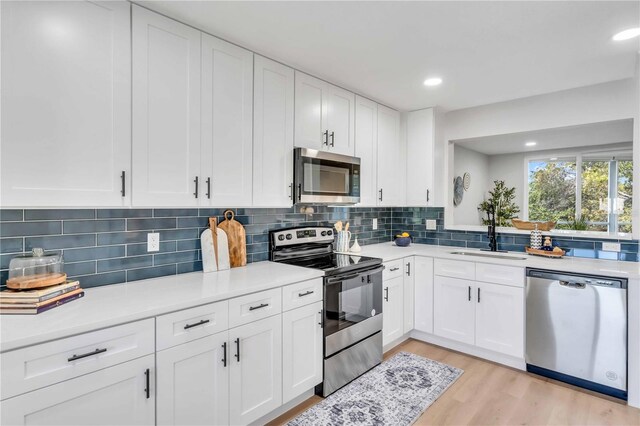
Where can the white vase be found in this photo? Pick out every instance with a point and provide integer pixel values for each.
(355, 248)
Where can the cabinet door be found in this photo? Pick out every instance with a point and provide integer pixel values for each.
(423, 278)
(420, 131)
(311, 113)
(301, 350)
(227, 123)
(500, 318)
(166, 111)
(392, 310)
(367, 149)
(193, 382)
(118, 395)
(408, 294)
(391, 164)
(454, 309)
(340, 120)
(272, 134)
(66, 103)
(256, 369)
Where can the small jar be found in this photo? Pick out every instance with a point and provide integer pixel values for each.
(536, 238)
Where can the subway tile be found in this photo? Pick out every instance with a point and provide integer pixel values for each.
(187, 267)
(155, 272)
(59, 214)
(193, 222)
(5, 259)
(111, 238)
(87, 226)
(93, 253)
(574, 244)
(151, 224)
(141, 249)
(183, 245)
(260, 257)
(452, 243)
(465, 236)
(80, 268)
(123, 213)
(96, 280)
(174, 212)
(177, 257)
(11, 215)
(11, 245)
(23, 229)
(119, 264)
(179, 234)
(61, 242)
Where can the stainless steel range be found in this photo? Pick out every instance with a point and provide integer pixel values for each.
(352, 314)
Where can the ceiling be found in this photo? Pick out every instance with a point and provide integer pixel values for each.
(595, 134)
(485, 51)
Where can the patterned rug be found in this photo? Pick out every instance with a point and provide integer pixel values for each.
(395, 392)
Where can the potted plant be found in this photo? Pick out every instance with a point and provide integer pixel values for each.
(502, 199)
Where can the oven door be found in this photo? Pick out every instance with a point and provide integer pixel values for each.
(352, 308)
(324, 177)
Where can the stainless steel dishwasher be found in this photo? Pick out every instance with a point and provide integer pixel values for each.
(577, 330)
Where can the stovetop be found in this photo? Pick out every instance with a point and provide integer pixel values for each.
(335, 263)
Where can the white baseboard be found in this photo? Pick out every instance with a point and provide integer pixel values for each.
(284, 408)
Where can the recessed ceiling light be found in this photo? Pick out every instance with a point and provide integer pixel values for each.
(434, 81)
(531, 143)
(627, 34)
(553, 158)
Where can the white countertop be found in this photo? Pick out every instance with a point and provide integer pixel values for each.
(121, 303)
(389, 251)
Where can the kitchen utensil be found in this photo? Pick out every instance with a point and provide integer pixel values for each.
(209, 247)
(237, 239)
(35, 270)
(346, 227)
(342, 243)
(223, 250)
(338, 226)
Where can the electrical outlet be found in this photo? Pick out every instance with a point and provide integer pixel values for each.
(611, 247)
(153, 241)
(432, 225)
(375, 224)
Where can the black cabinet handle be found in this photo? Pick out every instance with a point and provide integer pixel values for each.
(260, 306)
(291, 191)
(96, 352)
(195, 324)
(427, 195)
(321, 323)
(237, 355)
(332, 138)
(305, 293)
(148, 388)
(478, 294)
(409, 269)
(224, 354)
(469, 293)
(326, 138)
(196, 182)
(380, 198)
(393, 269)
(122, 180)
(209, 188)
(386, 294)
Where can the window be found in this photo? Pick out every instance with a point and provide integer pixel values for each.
(589, 191)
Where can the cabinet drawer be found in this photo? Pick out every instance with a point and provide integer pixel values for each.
(455, 269)
(498, 274)
(42, 365)
(252, 307)
(392, 269)
(301, 294)
(190, 324)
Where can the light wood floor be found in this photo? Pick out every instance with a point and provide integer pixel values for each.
(491, 394)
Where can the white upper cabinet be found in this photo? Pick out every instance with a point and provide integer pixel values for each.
(325, 116)
(166, 111)
(273, 87)
(420, 145)
(367, 149)
(66, 114)
(227, 123)
(391, 159)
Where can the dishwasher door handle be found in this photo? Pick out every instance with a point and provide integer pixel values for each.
(577, 286)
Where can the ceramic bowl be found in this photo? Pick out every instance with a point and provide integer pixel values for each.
(402, 241)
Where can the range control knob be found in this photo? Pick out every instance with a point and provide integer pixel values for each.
(289, 236)
(280, 237)
(323, 233)
(329, 232)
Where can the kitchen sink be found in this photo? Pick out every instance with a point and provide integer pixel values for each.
(492, 255)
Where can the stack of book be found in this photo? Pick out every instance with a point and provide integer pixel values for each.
(39, 300)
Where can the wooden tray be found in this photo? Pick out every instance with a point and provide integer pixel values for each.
(36, 281)
(544, 253)
(530, 226)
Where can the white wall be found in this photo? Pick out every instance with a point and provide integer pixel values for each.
(510, 169)
(477, 165)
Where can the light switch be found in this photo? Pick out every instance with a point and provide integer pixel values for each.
(374, 223)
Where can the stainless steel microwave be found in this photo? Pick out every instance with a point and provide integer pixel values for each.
(325, 178)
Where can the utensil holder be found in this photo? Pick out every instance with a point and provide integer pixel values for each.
(343, 240)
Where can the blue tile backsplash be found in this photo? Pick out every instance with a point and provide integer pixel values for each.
(108, 246)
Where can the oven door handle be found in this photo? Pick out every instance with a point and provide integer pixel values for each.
(341, 278)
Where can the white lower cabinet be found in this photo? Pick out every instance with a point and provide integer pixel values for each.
(301, 350)
(119, 395)
(409, 294)
(255, 382)
(193, 382)
(392, 310)
(454, 310)
(423, 294)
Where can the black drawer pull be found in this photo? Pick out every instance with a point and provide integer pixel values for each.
(96, 352)
(188, 326)
(305, 294)
(260, 306)
(237, 355)
(469, 293)
(224, 354)
(393, 269)
(147, 389)
(122, 179)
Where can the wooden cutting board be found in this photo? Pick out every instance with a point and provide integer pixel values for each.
(237, 238)
(36, 281)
